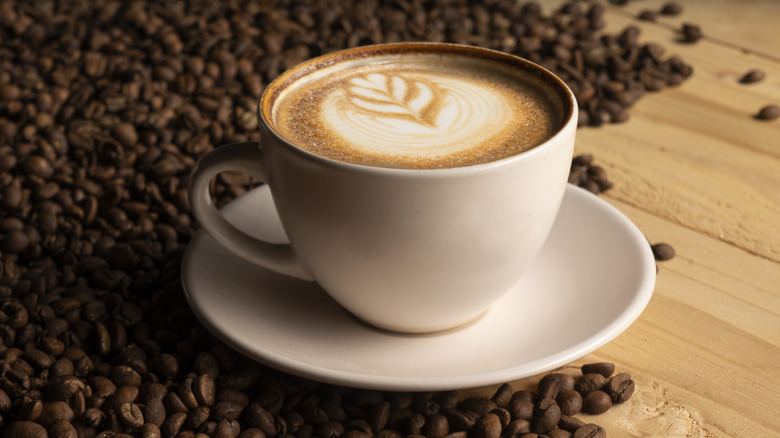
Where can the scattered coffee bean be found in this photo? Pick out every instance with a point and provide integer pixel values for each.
(671, 8)
(590, 382)
(752, 76)
(768, 112)
(596, 402)
(662, 252)
(488, 426)
(570, 402)
(590, 430)
(647, 15)
(604, 368)
(691, 33)
(620, 387)
(547, 414)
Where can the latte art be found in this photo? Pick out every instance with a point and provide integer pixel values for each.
(416, 113)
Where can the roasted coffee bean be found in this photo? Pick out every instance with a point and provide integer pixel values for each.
(435, 426)
(551, 384)
(546, 416)
(378, 415)
(752, 76)
(29, 409)
(524, 395)
(671, 8)
(647, 15)
(662, 252)
(604, 368)
(570, 402)
(503, 395)
(517, 428)
(768, 112)
(590, 430)
(460, 420)
(521, 409)
(570, 423)
(559, 433)
(620, 387)
(25, 429)
(481, 406)
(62, 429)
(691, 33)
(590, 382)
(55, 411)
(488, 426)
(596, 402)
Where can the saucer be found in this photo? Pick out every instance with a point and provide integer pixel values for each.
(593, 278)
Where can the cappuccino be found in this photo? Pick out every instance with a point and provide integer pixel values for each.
(416, 110)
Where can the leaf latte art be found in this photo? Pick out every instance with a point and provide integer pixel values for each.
(415, 115)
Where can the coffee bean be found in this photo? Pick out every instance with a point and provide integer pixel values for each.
(55, 411)
(570, 402)
(590, 430)
(559, 433)
(590, 382)
(459, 420)
(521, 409)
(517, 428)
(620, 388)
(14, 242)
(435, 426)
(691, 33)
(547, 414)
(752, 76)
(131, 415)
(647, 15)
(480, 406)
(488, 426)
(25, 429)
(604, 368)
(62, 429)
(551, 384)
(662, 252)
(205, 392)
(768, 112)
(227, 429)
(596, 402)
(671, 8)
(503, 395)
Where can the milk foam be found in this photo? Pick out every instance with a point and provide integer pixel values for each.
(415, 114)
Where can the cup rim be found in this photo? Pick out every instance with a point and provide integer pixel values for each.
(275, 87)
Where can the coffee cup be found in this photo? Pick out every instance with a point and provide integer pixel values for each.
(416, 182)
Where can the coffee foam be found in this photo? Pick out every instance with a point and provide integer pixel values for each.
(416, 113)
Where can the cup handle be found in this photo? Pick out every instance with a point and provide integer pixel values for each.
(248, 158)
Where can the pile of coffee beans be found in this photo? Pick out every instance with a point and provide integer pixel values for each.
(589, 176)
(105, 106)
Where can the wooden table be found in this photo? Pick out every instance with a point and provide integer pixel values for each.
(693, 168)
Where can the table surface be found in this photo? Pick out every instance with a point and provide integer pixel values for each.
(693, 168)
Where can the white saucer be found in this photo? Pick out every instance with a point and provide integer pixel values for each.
(593, 278)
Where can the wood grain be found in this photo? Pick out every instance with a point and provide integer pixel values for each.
(693, 168)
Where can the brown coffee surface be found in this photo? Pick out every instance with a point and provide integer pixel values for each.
(419, 111)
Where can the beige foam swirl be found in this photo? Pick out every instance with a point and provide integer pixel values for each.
(416, 114)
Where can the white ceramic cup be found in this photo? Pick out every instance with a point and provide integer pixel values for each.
(407, 250)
